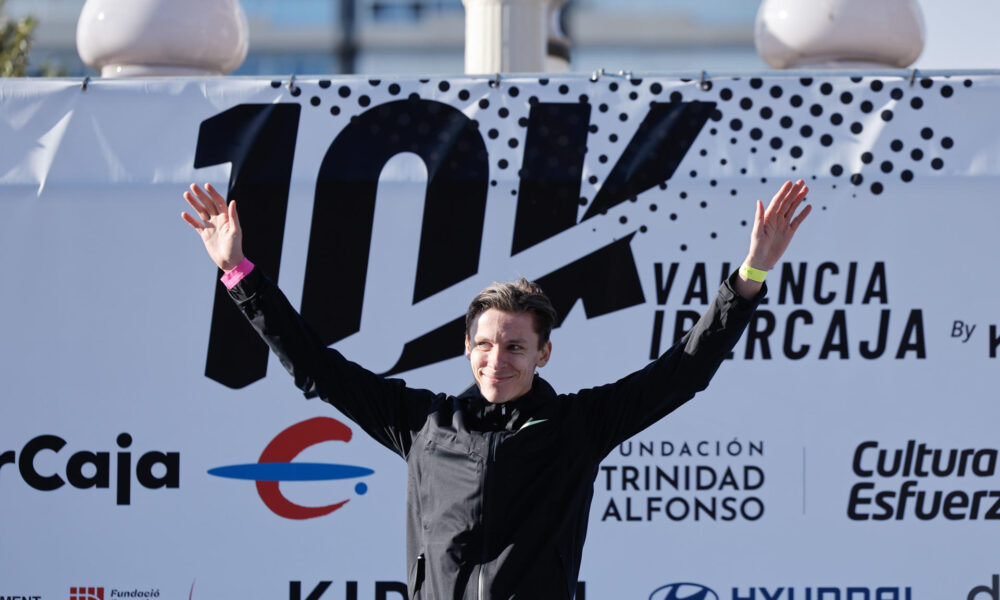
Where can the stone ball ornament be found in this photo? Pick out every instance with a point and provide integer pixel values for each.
(139, 38)
(839, 33)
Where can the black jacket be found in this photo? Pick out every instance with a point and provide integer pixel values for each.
(498, 495)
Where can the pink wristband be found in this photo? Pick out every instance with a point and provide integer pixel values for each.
(231, 278)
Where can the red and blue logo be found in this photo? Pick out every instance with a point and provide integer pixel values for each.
(275, 465)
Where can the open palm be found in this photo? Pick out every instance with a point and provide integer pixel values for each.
(774, 228)
(218, 226)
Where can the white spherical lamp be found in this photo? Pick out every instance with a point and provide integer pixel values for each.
(839, 33)
(134, 38)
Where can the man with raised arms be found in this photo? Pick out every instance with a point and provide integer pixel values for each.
(500, 477)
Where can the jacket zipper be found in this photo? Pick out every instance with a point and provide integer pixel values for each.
(482, 563)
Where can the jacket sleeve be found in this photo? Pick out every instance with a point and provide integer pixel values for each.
(384, 408)
(617, 411)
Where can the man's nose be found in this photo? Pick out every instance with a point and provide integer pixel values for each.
(496, 357)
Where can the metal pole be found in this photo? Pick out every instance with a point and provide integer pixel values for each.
(505, 36)
(347, 53)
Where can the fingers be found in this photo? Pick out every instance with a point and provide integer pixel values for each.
(788, 199)
(207, 200)
(220, 202)
(234, 217)
(791, 193)
(778, 199)
(197, 206)
(802, 217)
(758, 217)
(193, 222)
(796, 197)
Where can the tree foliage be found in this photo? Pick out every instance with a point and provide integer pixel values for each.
(15, 43)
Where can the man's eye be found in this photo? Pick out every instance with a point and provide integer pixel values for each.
(482, 345)
(515, 347)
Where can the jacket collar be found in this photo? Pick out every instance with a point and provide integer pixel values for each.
(510, 415)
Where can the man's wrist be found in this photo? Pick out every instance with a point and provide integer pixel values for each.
(752, 274)
(233, 276)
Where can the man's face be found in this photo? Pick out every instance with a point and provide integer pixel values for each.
(503, 350)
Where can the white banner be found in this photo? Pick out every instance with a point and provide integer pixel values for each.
(847, 451)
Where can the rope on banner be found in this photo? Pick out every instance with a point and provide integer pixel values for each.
(86, 80)
(291, 83)
(704, 80)
(913, 76)
(495, 81)
(597, 74)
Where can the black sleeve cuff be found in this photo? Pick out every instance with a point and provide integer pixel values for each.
(247, 287)
(728, 293)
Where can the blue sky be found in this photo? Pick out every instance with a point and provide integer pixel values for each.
(961, 34)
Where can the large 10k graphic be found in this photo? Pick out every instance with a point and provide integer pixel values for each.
(259, 140)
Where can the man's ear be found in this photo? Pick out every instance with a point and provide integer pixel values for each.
(545, 354)
(468, 348)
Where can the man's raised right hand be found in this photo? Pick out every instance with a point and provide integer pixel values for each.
(219, 226)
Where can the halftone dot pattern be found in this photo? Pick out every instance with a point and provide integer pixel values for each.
(861, 115)
(861, 136)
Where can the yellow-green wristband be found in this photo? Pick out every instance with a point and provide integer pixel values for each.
(752, 274)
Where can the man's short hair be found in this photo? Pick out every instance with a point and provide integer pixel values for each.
(521, 296)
